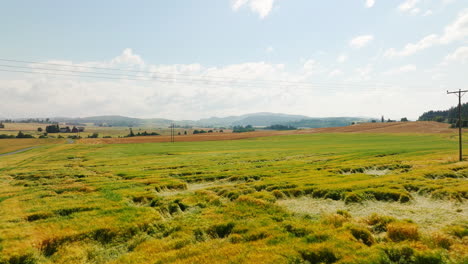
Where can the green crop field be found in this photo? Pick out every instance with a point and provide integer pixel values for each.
(317, 198)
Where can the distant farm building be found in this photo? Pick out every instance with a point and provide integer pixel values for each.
(77, 129)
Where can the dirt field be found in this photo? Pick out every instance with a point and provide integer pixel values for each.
(397, 127)
(198, 137)
(25, 127)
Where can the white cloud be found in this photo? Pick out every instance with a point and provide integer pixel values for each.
(335, 73)
(408, 6)
(184, 91)
(261, 7)
(342, 58)
(446, 2)
(458, 30)
(361, 41)
(402, 69)
(370, 3)
(192, 91)
(364, 73)
(310, 66)
(415, 11)
(459, 55)
(128, 57)
(428, 13)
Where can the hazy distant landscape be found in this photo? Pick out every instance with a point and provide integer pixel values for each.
(257, 119)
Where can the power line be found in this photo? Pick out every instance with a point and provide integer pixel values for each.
(460, 94)
(201, 80)
(169, 81)
(178, 74)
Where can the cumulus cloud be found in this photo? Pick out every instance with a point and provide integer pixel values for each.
(457, 30)
(459, 55)
(408, 6)
(342, 58)
(402, 69)
(335, 73)
(370, 3)
(364, 73)
(128, 57)
(361, 41)
(193, 91)
(183, 91)
(261, 7)
(428, 13)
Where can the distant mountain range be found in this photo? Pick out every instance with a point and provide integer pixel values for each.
(255, 119)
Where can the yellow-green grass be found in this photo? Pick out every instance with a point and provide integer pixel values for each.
(14, 144)
(226, 201)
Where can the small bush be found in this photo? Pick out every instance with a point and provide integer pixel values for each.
(104, 235)
(69, 211)
(252, 201)
(402, 231)
(317, 238)
(21, 259)
(38, 216)
(174, 208)
(457, 231)
(319, 255)
(333, 194)
(362, 235)
(199, 235)
(441, 240)
(257, 235)
(278, 194)
(235, 238)
(379, 223)
(352, 198)
(335, 220)
(398, 254)
(221, 230)
(344, 213)
(50, 246)
(428, 258)
(296, 231)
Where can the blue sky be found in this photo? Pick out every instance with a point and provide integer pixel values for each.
(327, 58)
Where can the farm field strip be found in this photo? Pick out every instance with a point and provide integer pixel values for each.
(10, 145)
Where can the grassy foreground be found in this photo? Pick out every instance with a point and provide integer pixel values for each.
(224, 201)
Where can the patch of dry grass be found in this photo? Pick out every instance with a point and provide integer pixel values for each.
(429, 214)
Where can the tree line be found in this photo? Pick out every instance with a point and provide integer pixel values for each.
(447, 116)
(19, 135)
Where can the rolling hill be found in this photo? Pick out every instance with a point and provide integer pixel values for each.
(256, 119)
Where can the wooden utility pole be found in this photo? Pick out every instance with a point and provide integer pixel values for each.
(460, 94)
(172, 133)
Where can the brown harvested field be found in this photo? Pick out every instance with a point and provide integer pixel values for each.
(198, 137)
(25, 127)
(396, 127)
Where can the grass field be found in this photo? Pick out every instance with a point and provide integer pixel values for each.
(114, 132)
(316, 198)
(9, 145)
